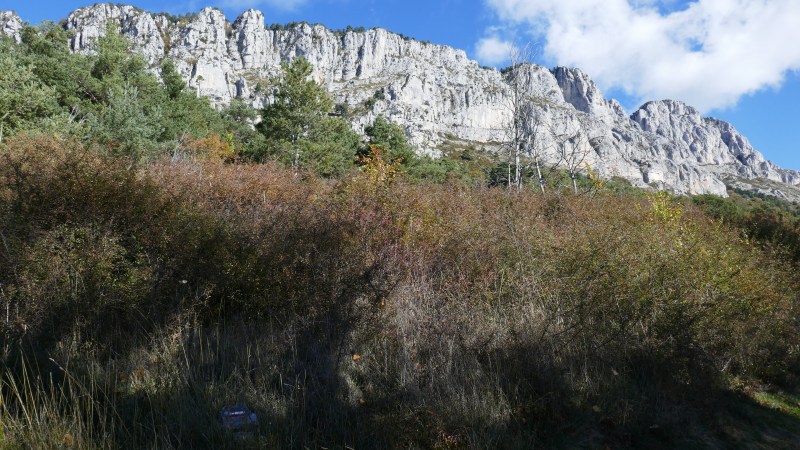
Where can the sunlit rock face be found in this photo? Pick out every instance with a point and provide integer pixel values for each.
(436, 93)
(11, 25)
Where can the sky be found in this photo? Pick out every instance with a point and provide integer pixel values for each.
(737, 60)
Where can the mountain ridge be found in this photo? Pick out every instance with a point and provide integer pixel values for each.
(436, 93)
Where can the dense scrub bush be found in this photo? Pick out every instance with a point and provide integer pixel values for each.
(369, 311)
(558, 304)
(773, 222)
(77, 232)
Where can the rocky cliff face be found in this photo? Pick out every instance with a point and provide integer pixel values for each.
(436, 93)
(10, 25)
(582, 93)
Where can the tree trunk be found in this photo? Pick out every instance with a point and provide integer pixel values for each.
(539, 174)
(508, 179)
(517, 174)
(3, 125)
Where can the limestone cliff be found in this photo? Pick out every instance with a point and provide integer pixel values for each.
(10, 25)
(436, 93)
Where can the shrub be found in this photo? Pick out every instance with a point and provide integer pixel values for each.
(369, 311)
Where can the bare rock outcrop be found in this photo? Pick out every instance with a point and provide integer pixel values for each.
(11, 25)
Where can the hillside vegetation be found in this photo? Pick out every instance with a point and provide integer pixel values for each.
(160, 259)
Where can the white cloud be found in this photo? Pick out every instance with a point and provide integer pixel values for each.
(286, 5)
(708, 53)
(493, 50)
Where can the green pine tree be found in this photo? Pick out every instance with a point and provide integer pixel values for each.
(24, 99)
(391, 138)
(298, 128)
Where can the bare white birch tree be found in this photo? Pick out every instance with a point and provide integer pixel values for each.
(515, 130)
(573, 148)
(535, 147)
(522, 133)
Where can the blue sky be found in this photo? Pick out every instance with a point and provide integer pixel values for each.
(737, 60)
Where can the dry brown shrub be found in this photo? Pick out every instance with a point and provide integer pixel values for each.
(213, 148)
(480, 317)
